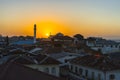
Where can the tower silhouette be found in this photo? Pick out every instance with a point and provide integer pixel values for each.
(34, 33)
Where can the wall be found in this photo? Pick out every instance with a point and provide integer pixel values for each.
(116, 73)
(43, 67)
(104, 75)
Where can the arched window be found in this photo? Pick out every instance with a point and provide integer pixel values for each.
(71, 67)
(86, 73)
(99, 76)
(93, 75)
(112, 77)
(53, 70)
(76, 70)
(80, 71)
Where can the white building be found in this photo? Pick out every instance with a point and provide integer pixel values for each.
(94, 68)
(105, 46)
(46, 64)
(39, 62)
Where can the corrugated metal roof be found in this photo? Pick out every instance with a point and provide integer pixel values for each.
(24, 42)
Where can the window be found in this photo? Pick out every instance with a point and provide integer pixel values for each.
(46, 70)
(112, 77)
(76, 70)
(80, 71)
(93, 75)
(99, 76)
(71, 67)
(86, 73)
(53, 70)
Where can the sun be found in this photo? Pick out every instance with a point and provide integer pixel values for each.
(47, 34)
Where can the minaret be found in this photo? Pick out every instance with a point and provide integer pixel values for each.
(7, 41)
(34, 33)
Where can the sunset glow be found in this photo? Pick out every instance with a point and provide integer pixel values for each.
(88, 17)
(47, 34)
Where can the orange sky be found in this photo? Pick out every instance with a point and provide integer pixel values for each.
(90, 18)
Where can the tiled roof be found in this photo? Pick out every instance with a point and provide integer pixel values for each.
(53, 50)
(96, 62)
(17, 51)
(12, 71)
(88, 50)
(50, 60)
(24, 60)
(36, 59)
(46, 60)
(63, 37)
(21, 59)
(39, 57)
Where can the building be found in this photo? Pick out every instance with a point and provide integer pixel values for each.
(105, 46)
(59, 40)
(46, 64)
(13, 71)
(3, 41)
(39, 62)
(94, 68)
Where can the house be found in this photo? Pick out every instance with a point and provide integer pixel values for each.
(61, 54)
(94, 67)
(3, 41)
(105, 46)
(46, 64)
(40, 62)
(14, 71)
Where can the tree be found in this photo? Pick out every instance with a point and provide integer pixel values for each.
(79, 36)
(59, 34)
(21, 37)
(29, 37)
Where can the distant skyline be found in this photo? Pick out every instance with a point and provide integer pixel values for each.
(100, 18)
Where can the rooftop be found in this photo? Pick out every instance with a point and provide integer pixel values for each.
(13, 71)
(24, 42)
(97, 62)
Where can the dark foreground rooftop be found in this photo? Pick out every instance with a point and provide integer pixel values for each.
(13, 71)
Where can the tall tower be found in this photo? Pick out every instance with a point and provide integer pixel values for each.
(34, 33)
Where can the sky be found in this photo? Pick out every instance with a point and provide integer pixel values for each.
(99, 18)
